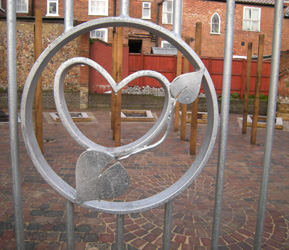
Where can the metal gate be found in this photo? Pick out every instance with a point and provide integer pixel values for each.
(183, 89)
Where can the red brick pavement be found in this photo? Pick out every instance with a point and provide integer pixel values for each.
(150, 172)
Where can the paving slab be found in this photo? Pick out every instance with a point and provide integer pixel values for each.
(150, 172)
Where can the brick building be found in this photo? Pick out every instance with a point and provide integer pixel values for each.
(252, 17)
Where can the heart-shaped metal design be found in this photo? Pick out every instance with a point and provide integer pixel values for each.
(92, 183)
(184, 88)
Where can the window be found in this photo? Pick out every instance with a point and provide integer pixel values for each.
(168, 12)
(22, 6)
(251, 19)
(146, 10)
(167, 45)
(52, 7)
(215, 24)
(100, 34)
(98, 7)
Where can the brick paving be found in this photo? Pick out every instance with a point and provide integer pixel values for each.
(150, 172)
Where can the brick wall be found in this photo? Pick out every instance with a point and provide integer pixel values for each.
(25, 55)
(193, 11)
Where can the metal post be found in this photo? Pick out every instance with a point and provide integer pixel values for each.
(124, 8)
(276, 48)
(119, 231)
(167, 225)
(70, 225)
(13, 121)
(177, 23)
(177, 30)
(68, 15)
(68, 24)
(224, 121)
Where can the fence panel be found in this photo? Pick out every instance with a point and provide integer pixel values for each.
(167, 66)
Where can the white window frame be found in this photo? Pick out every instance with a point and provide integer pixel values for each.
(167, 12)
(22, 11)
(167, 45)
(98, 13)
(144, 7)
(48, 7)
(219, 26)
(251, 20)
(105, 30)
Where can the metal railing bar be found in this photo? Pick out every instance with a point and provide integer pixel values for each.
(167, 225)
(68, 15)
(271, 112)
(68, 24)
(177, 16)
(119, 231)
(13, 121)
(70, 225)
(225, 106)
(124, 8)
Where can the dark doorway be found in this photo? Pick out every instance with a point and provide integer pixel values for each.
(134, 46)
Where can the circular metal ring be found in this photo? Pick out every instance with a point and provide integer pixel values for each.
(64, 188)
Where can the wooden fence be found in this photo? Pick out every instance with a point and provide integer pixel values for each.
(167, 66)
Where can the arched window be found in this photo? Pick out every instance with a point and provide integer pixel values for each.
(215, 24)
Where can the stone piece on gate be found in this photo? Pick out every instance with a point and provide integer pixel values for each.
(94, 181)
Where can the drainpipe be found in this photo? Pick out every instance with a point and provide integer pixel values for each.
(157, 19)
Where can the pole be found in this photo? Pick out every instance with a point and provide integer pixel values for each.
(224, 122)
(70, 225)
(257, 88)
(195, 104)
(184, 106)
(113, 98)
(117, 108)
(68, 24)
(177, 29)
(120, 231)
(68, 15)
(38, 91)
(13, 121)
(273, 90)
(177, 108)
(167, 225)
(247, 87)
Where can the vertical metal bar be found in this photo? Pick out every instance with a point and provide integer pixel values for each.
(167, 225)
(271, 112)
(13, 121)
(224, 121)
(68, 15)
(70, 225)
(177, 30)
(119, 231)
(124, 8)
(68, 24)
(177, 15)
